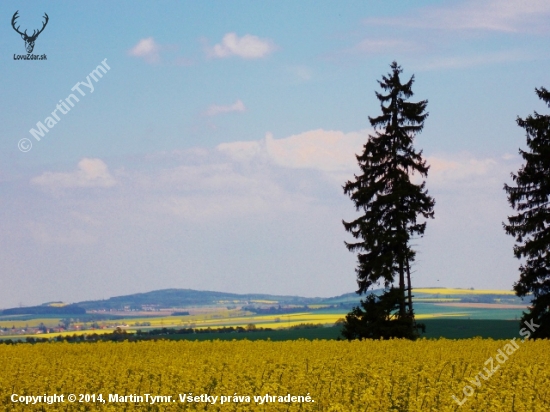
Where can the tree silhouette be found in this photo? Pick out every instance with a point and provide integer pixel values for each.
(531, 226)
(390, 203)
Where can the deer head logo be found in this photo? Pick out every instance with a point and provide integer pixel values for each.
(29, 40)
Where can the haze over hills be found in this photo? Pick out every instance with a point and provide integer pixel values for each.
(184, 298)
(180, 298)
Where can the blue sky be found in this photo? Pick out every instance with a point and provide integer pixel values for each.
(212, 153)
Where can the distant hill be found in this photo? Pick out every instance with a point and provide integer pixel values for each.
(45, 310)
(180, 298)
(184, 298)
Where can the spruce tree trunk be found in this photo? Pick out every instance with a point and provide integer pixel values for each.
(409, 289)
(402, 310)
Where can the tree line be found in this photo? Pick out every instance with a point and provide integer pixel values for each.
(120, 335)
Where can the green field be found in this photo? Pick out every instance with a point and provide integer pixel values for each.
(470, 328)
(449, 328)
(435, 328)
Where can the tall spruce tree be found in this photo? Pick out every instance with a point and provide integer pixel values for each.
(391, 205)
(531, 226)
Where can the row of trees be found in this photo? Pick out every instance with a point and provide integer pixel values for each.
(395, 211)
(120, 335)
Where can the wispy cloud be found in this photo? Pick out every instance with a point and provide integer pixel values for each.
(303, 73)
(436, 37)
(90, 173)
(246, 47)
(461, 62)
(488, 15)
(146, 49)
(376, 46)
(215, 109)
(183, 61)
(64, 234)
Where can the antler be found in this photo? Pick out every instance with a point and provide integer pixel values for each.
(34, 33)
(43, 26)
(15, 16)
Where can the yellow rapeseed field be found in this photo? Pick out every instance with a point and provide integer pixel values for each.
(395, 375)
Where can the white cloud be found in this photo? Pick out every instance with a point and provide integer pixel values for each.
(147, 49)
(215, 109)
(242, 151)
(333, 153)
(247, 47)
(449, 170)
(90, 173)
(489, 15)
(326, 150)
(206, 189)
(460, 168)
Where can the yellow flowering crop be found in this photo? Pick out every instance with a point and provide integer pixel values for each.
(395, 375)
